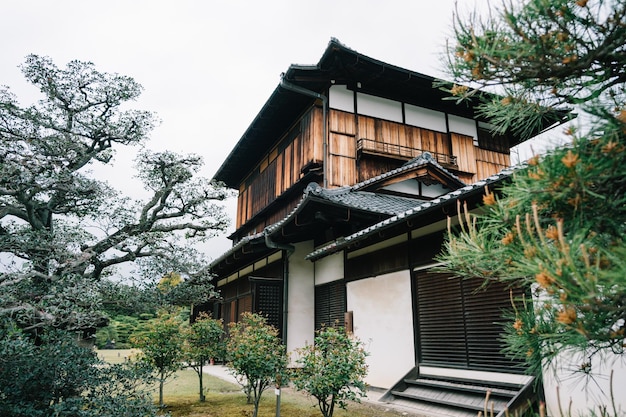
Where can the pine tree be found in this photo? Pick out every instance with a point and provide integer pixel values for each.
(559, 226)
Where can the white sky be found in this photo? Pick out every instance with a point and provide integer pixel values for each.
(207, 67)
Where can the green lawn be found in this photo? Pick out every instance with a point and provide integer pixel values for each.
(116, 355)
(224, 399)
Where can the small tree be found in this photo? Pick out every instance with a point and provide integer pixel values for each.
(161, 347)
(332, 370)
(256, 356)
(203, 341)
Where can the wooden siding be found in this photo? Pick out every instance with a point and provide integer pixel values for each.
(403, 135)
(237, 298)
(342, 122)
(385, 145)
(389, 144)
(312, 149)
(415, 252)
(384, 261)
(490, 162)
(272, 217)
(256, 296)
(371, 167)
(476, 163)
(282, 166)
(464, 149)
(341, 149)
(342, 162)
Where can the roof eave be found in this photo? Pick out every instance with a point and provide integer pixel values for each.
(412, 214)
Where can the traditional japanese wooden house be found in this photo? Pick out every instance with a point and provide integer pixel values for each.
(347, 177)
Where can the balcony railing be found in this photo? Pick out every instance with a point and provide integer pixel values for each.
(389, 149)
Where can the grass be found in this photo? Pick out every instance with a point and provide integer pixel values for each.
(227, 400)
(116, 355)
(224, 399)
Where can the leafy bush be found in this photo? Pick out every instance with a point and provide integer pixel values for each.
(332, 369)
(54, 376)
(257, 357)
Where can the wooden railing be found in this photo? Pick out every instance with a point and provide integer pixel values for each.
(389, 149)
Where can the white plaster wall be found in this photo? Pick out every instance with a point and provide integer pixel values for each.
(560, 381)
(383, 321)
(413, 187)
(340, 98)
(301, 302)
(329, 269)
(426, 118)
(406, 187)
(379, 107)
(434, 190)
(463, 126)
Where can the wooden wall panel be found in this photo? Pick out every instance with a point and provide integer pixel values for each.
(244, 305)
(279, 174)
(270, 172)
(306, 135)
(413, 137)
(342, 145)
(389, 132)
(384, 261)
(489, 163)
(342, 168)
(297, 158)
(366, 128)
(407, 137)
(442, 143)
(342, 122)
(282, 167)
(242, 201)
(463, 148)
(492, 157)
(369, 168)
(429, 142)
(249, 203)
(466, 178)
(312, 143)
(287, 168)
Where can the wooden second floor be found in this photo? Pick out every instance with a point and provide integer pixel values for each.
(348, 119)
(358, 147)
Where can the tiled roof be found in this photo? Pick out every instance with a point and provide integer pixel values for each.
(345, 196)
(352, 197)
(364, 200)
(411, 213)
(237, 246)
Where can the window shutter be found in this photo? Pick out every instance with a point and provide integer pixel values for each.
(330, 304)
(460, 324)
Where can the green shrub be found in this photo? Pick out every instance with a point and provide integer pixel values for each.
(332, 370)
(257, 357)
(54, 376)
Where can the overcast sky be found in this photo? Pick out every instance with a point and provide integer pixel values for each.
(207, 67)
